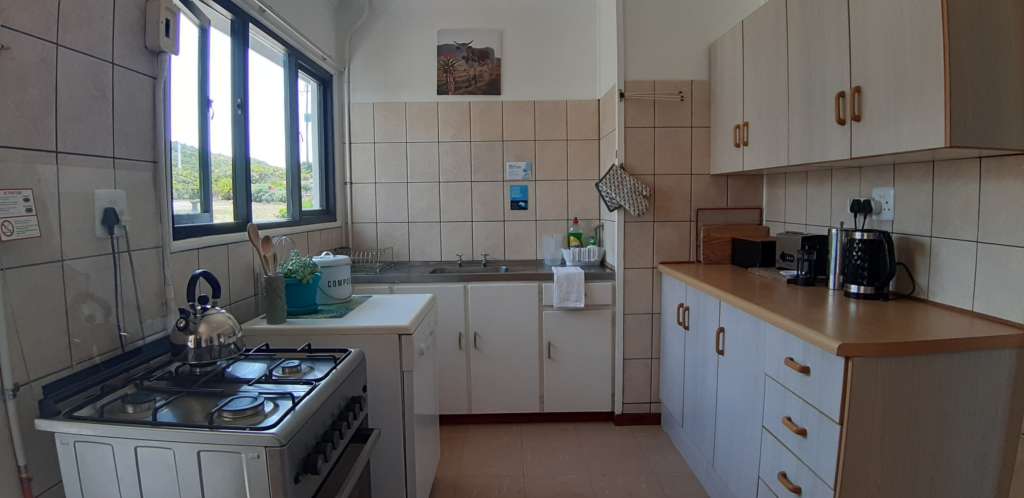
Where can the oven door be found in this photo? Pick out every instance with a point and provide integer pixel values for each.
(350, 476)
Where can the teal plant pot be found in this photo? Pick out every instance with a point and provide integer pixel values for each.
(301, 298)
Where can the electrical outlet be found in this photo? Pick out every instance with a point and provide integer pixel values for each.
(882, 200)
(116, 199)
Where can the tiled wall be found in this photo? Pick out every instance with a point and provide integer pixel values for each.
(428, 177)
(76, 115)
(667, 145)
(959, 225)
(609, 131)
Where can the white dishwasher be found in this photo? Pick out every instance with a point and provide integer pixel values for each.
(420, 378)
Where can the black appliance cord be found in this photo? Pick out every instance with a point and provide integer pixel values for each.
(913, 282)
(117, 293)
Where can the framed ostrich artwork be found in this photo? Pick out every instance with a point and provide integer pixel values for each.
(469, 62)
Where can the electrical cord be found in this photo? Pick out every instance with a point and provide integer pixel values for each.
(913, 282)
(117, 293)
(135, 282)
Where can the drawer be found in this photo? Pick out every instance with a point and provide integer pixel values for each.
(596, 294)
(763, 491)
(810, 435)
(811, 373)
(779, 465)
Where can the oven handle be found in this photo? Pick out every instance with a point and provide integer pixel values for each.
(355, 469)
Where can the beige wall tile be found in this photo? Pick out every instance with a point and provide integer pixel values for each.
(392, 202)
(956, 199)
(819, 197)
(517, 120)
(362, 123)
(639, 113)
(796, 197)
(42, 328)
(484, 121)
(915, 252)
(952, 272)
(456, 202)
(396, 236)
(608, 109)
(583, 159)
(364, 235)
(27, 78)
(85, 119)
(421, 118)
(775, 197)
(456, 238)
(913, 199)
(636, 381)
(707, 192)
(520, 215)
(637, 290)
(609, 147)
(423, 162)
(137, 178)
(182, 265)
(425, 241)
(1002, 202)
(36, 17)
(639, 150)
(845, 185)
(521, 240)
(672, 150)
(582, 119)
(583, 199)
(672, 198)
(552, 200)
(673, 113)
(638, 245)
(546, 228)
(390, 162)
(637, 336)
(489, 237)
(701, 103)
(215, 259)
(363, 170)
(551, 121)
(453, 121)
(872, 177)
(746, 190)
(552, 160)
(487, 161)
(80, 177)
(488, 201)
(672, 242)
(700, 151)
(454, 161)
(389, 122)
(134, 115)
(999, 286)
(518, 151)
(241, 261)
(424, 202)
(91, 313)
(129, 31)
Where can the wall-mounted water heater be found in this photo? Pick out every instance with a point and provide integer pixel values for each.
(162, 29)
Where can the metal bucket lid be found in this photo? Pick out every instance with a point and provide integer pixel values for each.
(328, 259)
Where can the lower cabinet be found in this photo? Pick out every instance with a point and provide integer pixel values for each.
(577, 372)
(700, 373)
(504, 325)
(674, 315)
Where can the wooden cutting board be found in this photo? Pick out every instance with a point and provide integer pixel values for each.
(716, 241)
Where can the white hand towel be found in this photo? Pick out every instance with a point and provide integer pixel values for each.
(568, 287)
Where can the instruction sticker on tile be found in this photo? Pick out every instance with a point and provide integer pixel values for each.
(518, 170)
(18, 218)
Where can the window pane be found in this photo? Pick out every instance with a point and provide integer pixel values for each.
(221, 152)
(267, 128)
(310, 147)
(185, 122)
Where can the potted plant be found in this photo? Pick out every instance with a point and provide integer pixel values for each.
(301, 280)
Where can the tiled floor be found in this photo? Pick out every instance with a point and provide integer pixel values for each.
(587, 460)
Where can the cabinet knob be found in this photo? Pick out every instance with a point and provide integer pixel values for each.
(746, 133)
(841, 108)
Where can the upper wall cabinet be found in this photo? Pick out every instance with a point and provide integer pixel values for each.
(727, 102)
(879, 81)
(765, 129)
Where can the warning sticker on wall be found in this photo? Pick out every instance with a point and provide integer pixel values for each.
(18, 219)
(21, 227)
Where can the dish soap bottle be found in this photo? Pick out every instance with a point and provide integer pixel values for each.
(575, 233)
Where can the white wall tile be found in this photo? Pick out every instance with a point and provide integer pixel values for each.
(956, 199)
(673, 113)
(1002, 183)
(999, 286)
(672, 151)
(550, 120)
(421, 121)
(38, 17)
(364, 236)
(552, 200)
(951, 280)
(671, 241)
(456, 202)
(637, 290)
(583, 199)
(517, 120)
(488, 201)
(424, 202)
(85, 119)
(362, 164)
(582, 119)
(487, 161)
(241, 262)
(215, 260)
(362, 123)
(638, 245)
(456, 238)
(86, 25)
(915, 252)
(521, 240)
(796, 197)
(775, 197)
(134, 115)
(80, 176)
(36, 310)
(707, 191)
(913, 199)
(89, 291)
(673, 202)
(488, 237)
(453, 121)
(389, 122)
(182, 265)
(637, 336)
(425, 241)
(423, 162)
(364, 203)
(636, 381)
(455, 162)
(27, 74)
(484, 121)
(819, 197)
(639, 150)
(392, 202)
(552, 160)
(136, 179)
(150, 291)
(584, 160)
(845, 185)
(130, 35)
(746, 190)
(391, 162)
(395, 236)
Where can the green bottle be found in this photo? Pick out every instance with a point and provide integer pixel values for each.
(575, 233)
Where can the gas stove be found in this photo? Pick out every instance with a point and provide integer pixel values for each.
(267, 423)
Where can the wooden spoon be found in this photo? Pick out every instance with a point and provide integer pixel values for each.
(267, 252)
(254, 239)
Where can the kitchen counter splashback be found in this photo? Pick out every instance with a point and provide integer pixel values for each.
(472, 271)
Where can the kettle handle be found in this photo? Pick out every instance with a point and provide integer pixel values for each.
(193, 282)
(890, 255)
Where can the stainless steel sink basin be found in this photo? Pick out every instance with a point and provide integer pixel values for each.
(469, 269)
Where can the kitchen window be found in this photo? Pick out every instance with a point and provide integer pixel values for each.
(250, 127)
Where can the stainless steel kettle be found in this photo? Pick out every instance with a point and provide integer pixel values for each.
(205, 333)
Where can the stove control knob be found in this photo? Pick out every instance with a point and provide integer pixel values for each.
(332, 438)
(357, 404)
(314, 464)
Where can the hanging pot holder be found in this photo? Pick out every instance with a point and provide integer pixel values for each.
(618, 188)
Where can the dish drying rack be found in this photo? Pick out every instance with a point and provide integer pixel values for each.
(369, 261)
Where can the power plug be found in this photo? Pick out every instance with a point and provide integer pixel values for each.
(110, 198)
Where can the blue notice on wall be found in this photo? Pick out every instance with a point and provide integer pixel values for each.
(519, 197)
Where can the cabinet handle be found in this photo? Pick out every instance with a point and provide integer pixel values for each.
(686, 317)
(855, 114)
(786, 483)
(797, 367)
(720, 341)
(795, 429)
(460, 341)
(476, 340)
(736, 136)
(682, 314)
(746, 133)
(841, 108)
(549, 350)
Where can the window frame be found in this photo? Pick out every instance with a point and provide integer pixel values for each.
(191, 226)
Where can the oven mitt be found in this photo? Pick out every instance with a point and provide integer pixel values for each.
(620, 189)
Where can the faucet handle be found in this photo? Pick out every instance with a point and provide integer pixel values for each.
(484, 255)
(458, 256)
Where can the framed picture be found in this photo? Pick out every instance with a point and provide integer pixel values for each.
(469, 62)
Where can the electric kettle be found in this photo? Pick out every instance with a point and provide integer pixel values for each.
(205, 333)
(869, 263)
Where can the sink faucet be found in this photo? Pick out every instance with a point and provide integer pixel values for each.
(483, 260)
(458, 256)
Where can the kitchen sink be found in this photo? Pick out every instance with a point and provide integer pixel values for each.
(469, 269)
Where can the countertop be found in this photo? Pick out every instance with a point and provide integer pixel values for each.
(472, 271)
(849, 327)
(381, 314)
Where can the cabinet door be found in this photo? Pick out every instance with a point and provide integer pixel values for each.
(819, 69)
(452, 350)
(673, 341)
(740, 401)
(578, 361)
(700, 373)
(727, 101)
(765, 92)
(896, 58)
(504, 324)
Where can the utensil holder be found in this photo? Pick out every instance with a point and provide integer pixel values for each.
(275, 303)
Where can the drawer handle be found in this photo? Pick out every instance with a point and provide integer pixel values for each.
(795, 429)
(720, 341)
(746, 133)
(786, 483)
(549, 350)
(797, 367)
(736, 136)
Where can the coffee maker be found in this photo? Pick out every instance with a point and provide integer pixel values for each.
(868, 263)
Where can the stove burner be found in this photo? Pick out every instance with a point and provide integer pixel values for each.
(243, 405)
(291, 368)
(198, 370)
(138, 402)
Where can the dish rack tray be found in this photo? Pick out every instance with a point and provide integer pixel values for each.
(369, 261)
(583, 256)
